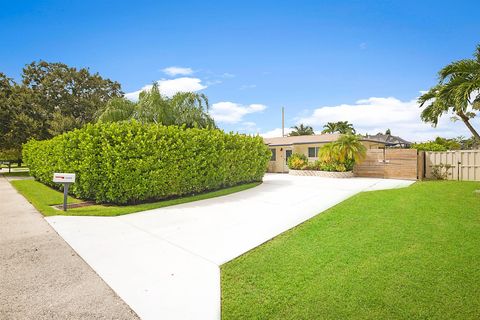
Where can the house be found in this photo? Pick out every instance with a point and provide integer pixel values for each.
(389, 140)
(283, 147)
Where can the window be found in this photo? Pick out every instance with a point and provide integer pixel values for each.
(313, 152)
(274, 155)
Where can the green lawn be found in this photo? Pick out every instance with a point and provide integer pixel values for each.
(410, 253)
(43, 197)
(16, 174)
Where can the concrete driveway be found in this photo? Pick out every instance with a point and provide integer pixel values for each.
(164, 263)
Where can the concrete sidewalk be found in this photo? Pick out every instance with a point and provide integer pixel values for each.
(165, 262)
(41, 277)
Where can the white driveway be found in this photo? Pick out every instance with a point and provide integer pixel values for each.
(164, 263)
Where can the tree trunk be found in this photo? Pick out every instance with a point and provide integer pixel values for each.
(466, 120)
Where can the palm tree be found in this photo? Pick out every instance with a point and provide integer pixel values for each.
(457, 91)
(187, 109)
(347, 150)
(330, 127)
(328, 153)
(302, 130)
(439, 101)
(349, 147)
(342, 127)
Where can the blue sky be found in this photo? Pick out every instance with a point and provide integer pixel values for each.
(363, 61)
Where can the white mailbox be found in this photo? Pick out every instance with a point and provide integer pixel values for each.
(67, 179)
(64, 177)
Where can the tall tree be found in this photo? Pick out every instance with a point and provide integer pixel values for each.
(330, 127)
(187, 109)
(342, 127)
(302, 130)
(52, 98)
(457, 92)
(68, 92)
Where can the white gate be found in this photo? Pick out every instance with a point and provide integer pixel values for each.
(465, 164)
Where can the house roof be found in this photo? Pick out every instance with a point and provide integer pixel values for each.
(388, 139)
(317, 138)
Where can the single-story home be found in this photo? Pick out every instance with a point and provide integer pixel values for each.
(283, 147)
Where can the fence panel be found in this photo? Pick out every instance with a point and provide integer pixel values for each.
(389, 163)
(401, 164)
(372, 166)
(469, 161)
(465, 164)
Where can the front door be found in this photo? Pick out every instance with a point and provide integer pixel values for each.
(288, 154)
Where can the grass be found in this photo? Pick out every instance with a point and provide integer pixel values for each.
(16, 174)
(411, 253)
(43, 197)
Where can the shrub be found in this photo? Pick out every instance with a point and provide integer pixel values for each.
(428, 146)
(129, 162)
(297, 161)
(440, 171)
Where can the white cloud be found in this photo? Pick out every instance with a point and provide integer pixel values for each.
(277, 132)
(230, 112)
(374, 115)
(170, 87)
(175, 71)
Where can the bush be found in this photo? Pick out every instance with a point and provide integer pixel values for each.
(440, 171)
(428, 146)
(129, 162)
(297, 161)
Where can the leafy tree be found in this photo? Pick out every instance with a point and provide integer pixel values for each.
(117, 109)
(187, 109)
(450, 144)
(388, 132)
(19, 118)
(61, 90)
(342, 127)
(52, 98)
(457, 92)
(442, 144)
(302, 130)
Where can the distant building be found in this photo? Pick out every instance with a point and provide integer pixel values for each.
(283, 147)
(389, 140)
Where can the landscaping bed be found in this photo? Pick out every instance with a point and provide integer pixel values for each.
(318, 173)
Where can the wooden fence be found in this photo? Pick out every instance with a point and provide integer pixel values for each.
(464, 164)
(390, 164)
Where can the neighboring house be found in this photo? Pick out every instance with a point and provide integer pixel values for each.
(389, 140)
(283, 147)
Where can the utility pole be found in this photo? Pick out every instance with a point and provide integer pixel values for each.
(283, 122)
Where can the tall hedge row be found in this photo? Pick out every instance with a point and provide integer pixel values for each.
(131, 162)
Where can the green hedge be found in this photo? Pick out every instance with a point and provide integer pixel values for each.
(131, 162)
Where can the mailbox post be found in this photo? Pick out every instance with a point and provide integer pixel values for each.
(66, 179)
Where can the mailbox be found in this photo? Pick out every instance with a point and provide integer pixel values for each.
(64, 177)
(67, 179)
